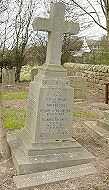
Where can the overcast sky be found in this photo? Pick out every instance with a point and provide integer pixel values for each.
(94, 31)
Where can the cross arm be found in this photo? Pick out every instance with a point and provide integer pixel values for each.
(71, 27)
(42, 24)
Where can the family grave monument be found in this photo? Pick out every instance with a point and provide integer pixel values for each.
(44, 151)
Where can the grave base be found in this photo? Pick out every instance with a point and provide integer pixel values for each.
(36, 179)
(26, 164)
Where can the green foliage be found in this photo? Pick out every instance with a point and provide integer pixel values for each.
(25, 74)
(20, 95)
(7, 59)
(13, 118)
(100, 55)
(70, 46)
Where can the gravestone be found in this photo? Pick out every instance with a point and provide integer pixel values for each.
(11, 76)
(8, 76)
(77, 81)
(46, 142)
(5, 76)
(80, 88)
(4, 147)
(34, 72)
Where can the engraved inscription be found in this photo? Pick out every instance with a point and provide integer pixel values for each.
(55, 113)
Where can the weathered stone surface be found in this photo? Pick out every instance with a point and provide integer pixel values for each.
(106, 114)
(98, 130)
(8, 76)
(34, 72)
(47, 133)
(101, 126)
(56, 26)
(100, 106)
(104, 124)
(80, 87)
(24, 163)
(49, 108)
(94, 74)
(5, 153)
(36, 179)
(46, 141)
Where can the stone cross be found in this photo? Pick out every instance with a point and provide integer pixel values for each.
(56, 26)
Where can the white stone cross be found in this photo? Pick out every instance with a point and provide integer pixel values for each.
(56, 26)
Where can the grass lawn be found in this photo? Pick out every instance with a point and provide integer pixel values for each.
(20, 95)
(13, 118)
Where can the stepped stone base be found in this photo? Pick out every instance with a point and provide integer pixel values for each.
(97, 128)
(100, 106)
(106, 114)
(74, 154)
(103, 124)
(36, 179)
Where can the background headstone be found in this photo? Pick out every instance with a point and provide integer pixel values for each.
(8, 76)
(5, 76)
(5, 152)
(11, 76)
(34, 72)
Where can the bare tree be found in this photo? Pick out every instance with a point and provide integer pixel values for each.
(22, 32)
(93, 11)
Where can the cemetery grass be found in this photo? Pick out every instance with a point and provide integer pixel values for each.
(13, 118)
(20, 95)
(13, 107)
(14, 112)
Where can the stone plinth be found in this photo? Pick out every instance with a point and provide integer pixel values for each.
(49, 116)
(46, 141)
(36, 179)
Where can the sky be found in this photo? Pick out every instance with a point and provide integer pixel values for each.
(93, 32)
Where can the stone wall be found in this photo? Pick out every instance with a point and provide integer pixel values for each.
(96, 76)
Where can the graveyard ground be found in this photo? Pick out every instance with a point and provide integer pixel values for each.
(13, 116)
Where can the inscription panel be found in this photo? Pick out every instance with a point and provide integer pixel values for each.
(55, 112)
